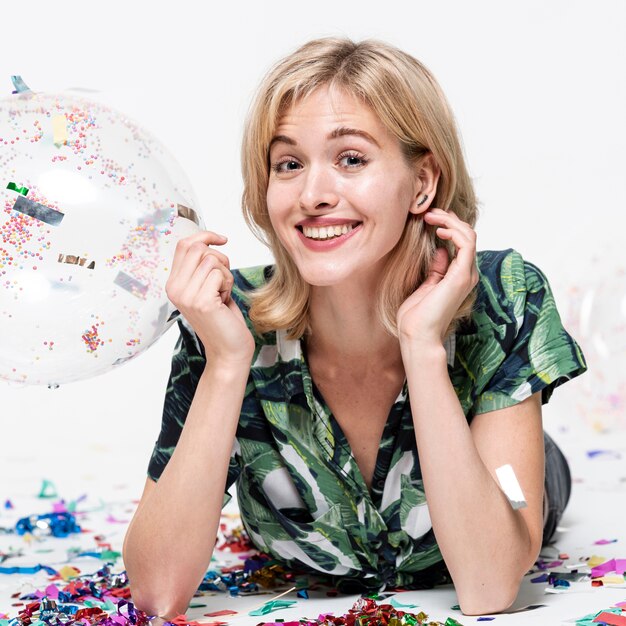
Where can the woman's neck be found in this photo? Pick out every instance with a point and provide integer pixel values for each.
(346, 330)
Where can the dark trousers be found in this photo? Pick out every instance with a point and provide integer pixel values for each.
(558, 487)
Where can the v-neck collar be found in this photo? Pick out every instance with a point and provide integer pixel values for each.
(328, 433)
(338, 450)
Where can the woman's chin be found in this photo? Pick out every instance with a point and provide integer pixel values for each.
(325, 275)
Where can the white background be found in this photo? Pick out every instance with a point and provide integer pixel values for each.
(538, 89)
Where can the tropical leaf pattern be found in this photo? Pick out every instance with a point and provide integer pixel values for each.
(301, 495)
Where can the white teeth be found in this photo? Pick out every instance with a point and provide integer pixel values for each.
(326, 232)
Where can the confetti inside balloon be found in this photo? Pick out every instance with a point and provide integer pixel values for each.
(91, 209)
(596, 315)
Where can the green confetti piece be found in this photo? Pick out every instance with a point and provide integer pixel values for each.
(197, 606)
(104, 605)
(48, 490)
(110, 555)
(273, 605)
(456, 607)
(400, 605)
(452, 622)
(14, 187)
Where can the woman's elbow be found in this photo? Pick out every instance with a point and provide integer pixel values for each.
(167, 604)
(495, 600)
(154, 597)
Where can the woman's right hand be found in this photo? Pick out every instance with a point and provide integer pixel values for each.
(199, 286)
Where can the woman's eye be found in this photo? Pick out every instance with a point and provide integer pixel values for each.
(353, 159)
(279, 169)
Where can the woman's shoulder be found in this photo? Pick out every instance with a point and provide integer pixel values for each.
(505, 281)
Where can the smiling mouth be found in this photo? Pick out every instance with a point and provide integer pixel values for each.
(326, 232)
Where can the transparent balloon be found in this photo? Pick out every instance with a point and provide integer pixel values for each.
(91, 209)
(596, 316)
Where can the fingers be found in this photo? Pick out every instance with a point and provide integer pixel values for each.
(193, 263)
(205, 237)
(462, 235)
(210, 277)
(448, 220)
(438, 267)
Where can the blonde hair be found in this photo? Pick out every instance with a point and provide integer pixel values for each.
(409, 102)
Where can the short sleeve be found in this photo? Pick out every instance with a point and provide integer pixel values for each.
(537, 353)
(188, 363)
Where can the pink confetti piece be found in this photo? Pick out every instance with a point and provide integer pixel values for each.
(59, 507)
(603, 568)
(52, 591)
(612, 565)
(114, 520)
(603, 542)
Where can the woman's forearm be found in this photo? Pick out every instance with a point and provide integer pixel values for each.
(472, 519)
(171, 538)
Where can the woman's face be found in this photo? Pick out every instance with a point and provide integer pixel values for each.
(336, 168)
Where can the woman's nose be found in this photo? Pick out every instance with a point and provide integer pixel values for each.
(318, 188)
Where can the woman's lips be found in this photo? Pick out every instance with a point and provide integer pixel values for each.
(327, 244)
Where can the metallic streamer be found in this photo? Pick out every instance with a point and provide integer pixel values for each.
(187, 213)
(38, 211)
(131, 285)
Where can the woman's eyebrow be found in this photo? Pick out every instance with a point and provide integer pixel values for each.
(341, 131)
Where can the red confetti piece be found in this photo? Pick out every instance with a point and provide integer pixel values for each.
(220, 613)
(611, 619)
(181, 620)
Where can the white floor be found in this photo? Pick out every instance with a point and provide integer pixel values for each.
(103, 453)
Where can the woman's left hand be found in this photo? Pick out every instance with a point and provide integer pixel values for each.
(425, 315)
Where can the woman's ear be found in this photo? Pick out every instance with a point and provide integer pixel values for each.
(427, 178)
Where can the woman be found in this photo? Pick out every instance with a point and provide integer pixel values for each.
(379, 331)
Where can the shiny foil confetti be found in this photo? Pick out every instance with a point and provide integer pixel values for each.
(187, 213)
(38, 211)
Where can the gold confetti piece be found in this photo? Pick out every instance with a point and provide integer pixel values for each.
(595, 560)
(67, 572)
(76, 260)
(611, 580)
(59, 130)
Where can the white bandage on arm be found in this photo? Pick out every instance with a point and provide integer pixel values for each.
(510, 486)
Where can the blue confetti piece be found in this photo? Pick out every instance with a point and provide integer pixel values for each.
(540, 579)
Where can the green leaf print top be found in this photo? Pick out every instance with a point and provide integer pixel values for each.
(302, 497)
